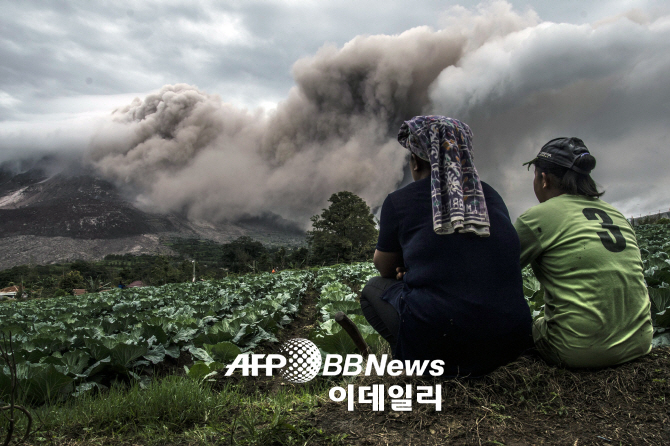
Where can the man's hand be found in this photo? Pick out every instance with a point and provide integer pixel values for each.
(401, 270)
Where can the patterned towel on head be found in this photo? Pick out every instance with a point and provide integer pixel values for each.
(456, 191)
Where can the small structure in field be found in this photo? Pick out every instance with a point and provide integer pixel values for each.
(10, 292)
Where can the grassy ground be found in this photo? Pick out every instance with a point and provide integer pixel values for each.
(523, 403)
(526, 402)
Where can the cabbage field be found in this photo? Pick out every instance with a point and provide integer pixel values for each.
(72, 345)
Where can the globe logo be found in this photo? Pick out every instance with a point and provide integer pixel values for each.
(303, 360)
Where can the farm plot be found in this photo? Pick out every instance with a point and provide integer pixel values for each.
(654, 242)
(336, 294)
(71, 345)
(74, 344)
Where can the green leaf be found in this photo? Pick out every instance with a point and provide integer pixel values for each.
(348, 307)
(200, 354)
(661, 340)
(538, 297)
(76, 361)
(156, 354)
(652, 281)
(12, 330)
(260, 336)
(213, 337)
(97, 349)
(33, 356)
(327, 328)
(56, 361)
(660, 308)
(661, 264)
(87, 387)
(335, 343)
(244, 332)
(46, 384)
(111, 326)
(528, 292)
(143, 381)
(123, 354)
(97, 367)
(223, 352)
(184, 334)
(173, 351)
(662, 276)
(156, 331)
(200, 370)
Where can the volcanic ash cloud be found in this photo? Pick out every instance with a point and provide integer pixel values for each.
(183, 149)
(517, 81)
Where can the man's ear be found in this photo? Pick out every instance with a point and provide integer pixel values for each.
(546, 181)
(413, 163)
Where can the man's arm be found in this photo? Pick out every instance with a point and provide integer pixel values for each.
(387, 262)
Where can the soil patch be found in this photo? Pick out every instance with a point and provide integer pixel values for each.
(304, 322)
(526, 402)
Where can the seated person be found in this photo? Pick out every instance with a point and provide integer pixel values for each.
(585, 254)
(450, 285)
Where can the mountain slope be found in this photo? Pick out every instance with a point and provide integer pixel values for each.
(75, 214)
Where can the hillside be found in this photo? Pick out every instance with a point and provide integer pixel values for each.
(52, 214)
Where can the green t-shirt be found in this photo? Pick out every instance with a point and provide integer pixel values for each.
(585, 254)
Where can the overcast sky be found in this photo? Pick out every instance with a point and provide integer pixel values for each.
(310, 93)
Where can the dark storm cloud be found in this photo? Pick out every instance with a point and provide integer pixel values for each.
(49, 49)
(604, 84)
(241, 50)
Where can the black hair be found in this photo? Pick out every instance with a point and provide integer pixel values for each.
(569, 181)
(422, 163)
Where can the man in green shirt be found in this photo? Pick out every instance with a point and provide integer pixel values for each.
(585, 254)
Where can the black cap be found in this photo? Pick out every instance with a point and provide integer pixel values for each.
(564, 152)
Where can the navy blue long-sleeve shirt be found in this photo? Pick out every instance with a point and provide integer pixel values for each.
(462, 298)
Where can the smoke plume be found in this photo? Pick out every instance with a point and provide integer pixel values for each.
(517, 81)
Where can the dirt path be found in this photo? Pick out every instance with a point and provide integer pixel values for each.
(300, 327)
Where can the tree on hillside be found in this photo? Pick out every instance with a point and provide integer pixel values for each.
(88, 268)
(298, 258)
(245, 255)
(162, 272)
(345, 232)
(72, 280)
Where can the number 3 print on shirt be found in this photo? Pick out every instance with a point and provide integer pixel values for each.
(619, 243)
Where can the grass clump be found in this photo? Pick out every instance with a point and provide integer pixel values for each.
(180, 410)
(166, 407)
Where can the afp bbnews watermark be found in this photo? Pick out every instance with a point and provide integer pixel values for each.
(300, 361)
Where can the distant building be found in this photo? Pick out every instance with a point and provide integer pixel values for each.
(11, 291)
(136, 284)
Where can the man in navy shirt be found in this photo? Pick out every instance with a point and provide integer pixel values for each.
(450, 285)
